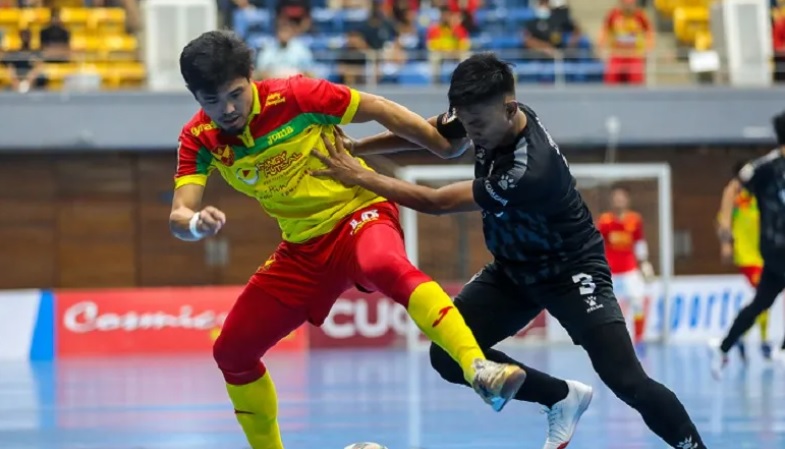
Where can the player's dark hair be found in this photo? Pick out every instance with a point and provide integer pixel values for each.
(779, 127)
(214, 59)
(621, 187)
(479, 78)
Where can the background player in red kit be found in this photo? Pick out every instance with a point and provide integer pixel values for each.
(627, 253)
(260, 136)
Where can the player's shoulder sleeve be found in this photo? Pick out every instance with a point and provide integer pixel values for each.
(330, 103)
(449, 126)
(504, 187)
(194, 161)
(637, 225)
(752, 172)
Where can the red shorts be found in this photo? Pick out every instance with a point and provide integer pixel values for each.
(752, 273)
(301, 281)
(625, 70)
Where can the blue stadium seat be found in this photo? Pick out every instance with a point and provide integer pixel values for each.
(527, 71)
(415, 74)
(326, 21)
(445, 72)
(506, 42)
(592, 71)
(326, 42)
(247, 21)
(517, 16)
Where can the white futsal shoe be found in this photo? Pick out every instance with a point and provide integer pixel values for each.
(563, 417)
(719, 359)
(497, 383)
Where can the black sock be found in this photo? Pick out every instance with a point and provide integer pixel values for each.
(613, 357)
(539, 387)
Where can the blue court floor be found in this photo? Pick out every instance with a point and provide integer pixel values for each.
(332, 398)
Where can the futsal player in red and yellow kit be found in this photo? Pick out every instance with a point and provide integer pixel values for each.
(744, 252)
(627, 253)
(258, 136)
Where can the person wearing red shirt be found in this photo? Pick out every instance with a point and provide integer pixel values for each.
(627, 253)
(627, 35)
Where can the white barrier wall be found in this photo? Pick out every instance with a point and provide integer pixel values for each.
(701, 307)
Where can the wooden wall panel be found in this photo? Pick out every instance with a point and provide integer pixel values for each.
(96, 220)
(101, 219)
(27, 222)
(163, 259)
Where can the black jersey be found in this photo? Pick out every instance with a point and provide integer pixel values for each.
(534, 219)
(765, 179)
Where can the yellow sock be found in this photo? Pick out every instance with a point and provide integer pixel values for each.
(256, 408)
(434, 313)
(763, 322)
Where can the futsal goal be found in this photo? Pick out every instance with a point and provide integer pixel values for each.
(450, 248)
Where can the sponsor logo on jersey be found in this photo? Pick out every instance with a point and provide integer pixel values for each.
(224, 154)
(274, 99)
(203, 127)
(280, 135)
(278, 163)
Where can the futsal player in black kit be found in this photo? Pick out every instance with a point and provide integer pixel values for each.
(765, 179)
(547, 252)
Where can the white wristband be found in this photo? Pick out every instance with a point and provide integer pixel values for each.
(196, 233)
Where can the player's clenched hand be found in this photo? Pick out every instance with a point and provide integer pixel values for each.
(340, 165)
(211, 220)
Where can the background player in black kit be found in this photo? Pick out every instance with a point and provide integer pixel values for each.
(765, 179)
(547, 252)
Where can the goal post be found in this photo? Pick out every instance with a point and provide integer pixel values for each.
(592, 180)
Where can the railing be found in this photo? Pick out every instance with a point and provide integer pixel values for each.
(562, 68)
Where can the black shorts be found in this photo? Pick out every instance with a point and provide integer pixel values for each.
(496, 307)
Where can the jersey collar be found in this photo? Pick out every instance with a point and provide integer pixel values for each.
(246, 136)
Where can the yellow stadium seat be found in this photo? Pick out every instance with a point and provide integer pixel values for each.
(692, 3)
(119, 43)
(11, 42)
(9, 20)
(107, 21)
(5, 76)
(703, 40)
(75, 19)
(665, 7)
(688, 22)
(85, 43)
(125, 74)
(34, 18)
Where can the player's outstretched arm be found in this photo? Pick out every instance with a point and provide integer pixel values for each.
(386, 142)
(340, 165)
(408, 131)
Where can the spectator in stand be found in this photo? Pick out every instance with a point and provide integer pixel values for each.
(297, 12)
(133, 15)
(466, 9)
(627, 36)
(227, 8)
(544, 35)
(446, 39)
(55, 40)
(25, 66)
(349, 4)
(778, 41)
(286, 56)
(377, 35)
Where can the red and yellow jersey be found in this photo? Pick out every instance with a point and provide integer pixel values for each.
(627, 32)
(746, 231)
(620, 235)
(271, 159)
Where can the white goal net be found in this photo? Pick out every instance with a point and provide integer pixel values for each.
(450, 248)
